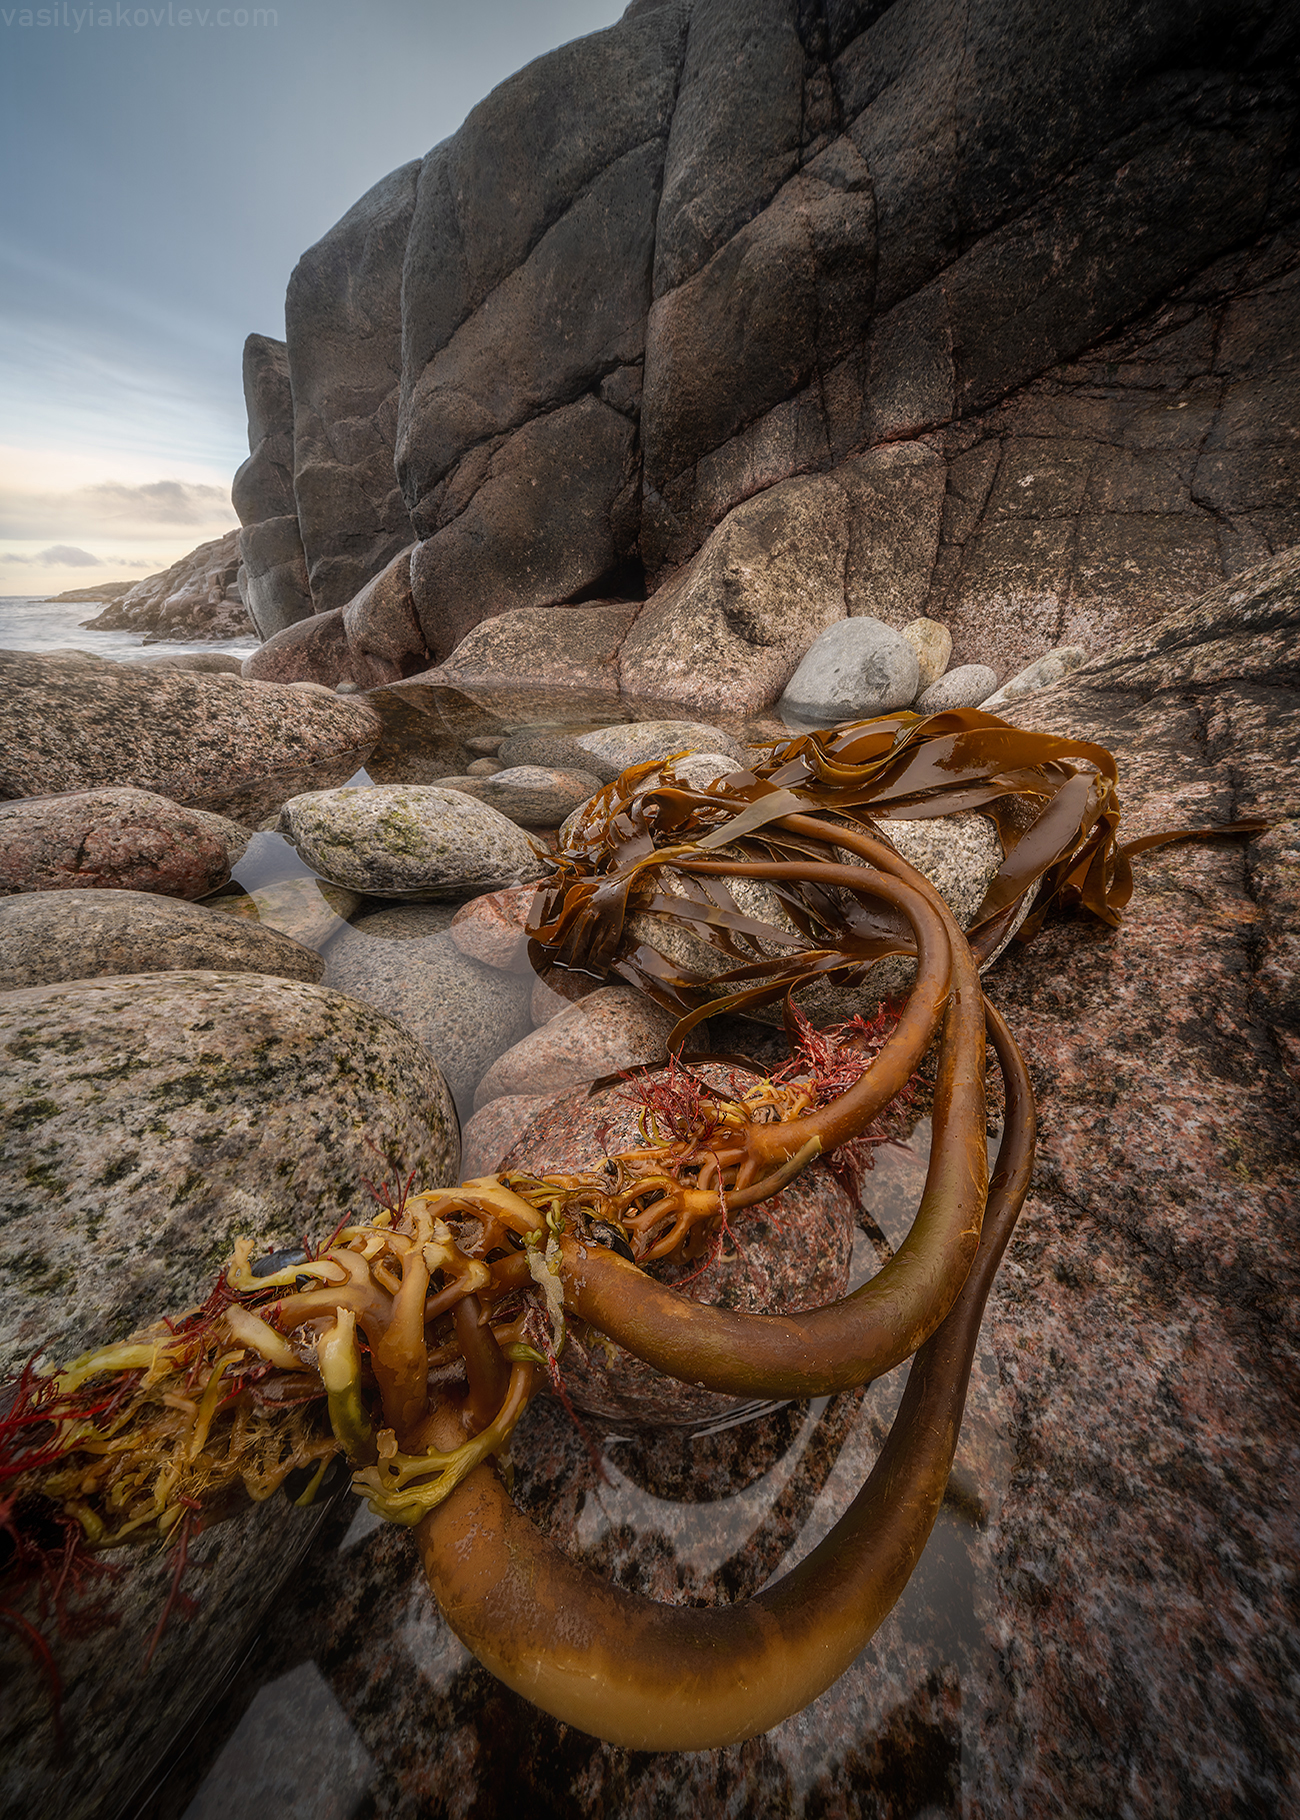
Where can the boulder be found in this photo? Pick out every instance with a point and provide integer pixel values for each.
(560, 750)
(791, 1252)
(535, 796)
(486, 1138)
(383, 633)
(933, 646)
(214, 1105)
(1041, 674)
(613, 1028)
(491, 928)
(852, 671)
(131, 840)
(968, 686)
(273, 575)
(637, 742)
(462, 1012)
(207, 741)
(407, 841)
(575, 649)
(312, 650)
(48, 936)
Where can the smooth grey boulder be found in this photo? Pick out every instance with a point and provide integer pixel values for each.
(408, 841)
(214, 742)
(613, 1028)
(637, 742)
(854, 669)
(134, 840)
(150, 1120)
(1041, 674)
(47, 936)
(464, 1013)
(560, 750)
(382, 629)
(968, 686)
(573, 649)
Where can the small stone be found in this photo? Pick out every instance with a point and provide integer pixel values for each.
(484, 767)
(965, 687)
(119, 838)
(407, 840)
(64, 935)
(559, 751)
(615, 1027)
(486, 744)
(347, 688)
(307, 909)
(463, 1013)
(855, 669)
(491, 928)
(637, 742)
(1041, 674)
(933, 646)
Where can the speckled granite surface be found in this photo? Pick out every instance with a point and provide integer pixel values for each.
(1104, 1623)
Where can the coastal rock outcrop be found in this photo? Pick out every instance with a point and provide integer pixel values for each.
(197, 598)
(981, 318)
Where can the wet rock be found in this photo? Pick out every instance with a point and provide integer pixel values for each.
(968, 686)
(535, 796)
(211, 1104)
(47, 936)
(558, 750)
(383, 633)
(697, 769)
(853, 670)
(933, 646)
(313, 650)
(567, 648)
(491, 928)
(1041, 674)
(407, 840)
(129, 839)
(614, 1027)
(212, 742)
(637, 742)
(490, 1134)
(308, 910)
(462, 1012)
(790, 1252)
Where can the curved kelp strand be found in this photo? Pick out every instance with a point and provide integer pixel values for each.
(652, 1677)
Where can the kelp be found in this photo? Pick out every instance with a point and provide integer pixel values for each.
(412, 1342)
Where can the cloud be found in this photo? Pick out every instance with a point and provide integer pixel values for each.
(176, 502)
(64, 555)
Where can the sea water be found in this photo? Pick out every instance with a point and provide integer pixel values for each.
(29, 624)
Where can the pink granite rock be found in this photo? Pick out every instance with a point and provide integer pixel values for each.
(790, 1252)
(312, 650)
(491, 1133)
(615, 1027)
(128, 839)
(491, 928)
(383, 636)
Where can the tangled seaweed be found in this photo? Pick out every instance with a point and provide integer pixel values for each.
(412, 1342)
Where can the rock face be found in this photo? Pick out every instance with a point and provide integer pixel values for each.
(47, 936)
(129, 839)
(209, 741)
(211, 1104)
(799, 313)
(197, 598)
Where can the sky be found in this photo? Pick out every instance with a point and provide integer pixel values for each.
(164, 169)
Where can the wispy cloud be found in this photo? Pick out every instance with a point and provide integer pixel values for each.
(115, 508)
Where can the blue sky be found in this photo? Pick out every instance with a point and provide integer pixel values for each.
(161, 181)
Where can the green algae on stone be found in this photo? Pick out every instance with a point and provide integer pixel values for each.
(407, 840)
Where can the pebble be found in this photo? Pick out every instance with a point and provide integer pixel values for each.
(407, 840)
(119, 838)
(965, 687)
(463, 1013)
(1041, 674)
(856, 668)
(484, 767)
(613, 1028)
(932, 643)
(151, 1119)
(63, 935)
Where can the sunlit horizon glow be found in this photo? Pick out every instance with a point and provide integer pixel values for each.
(163, 186)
